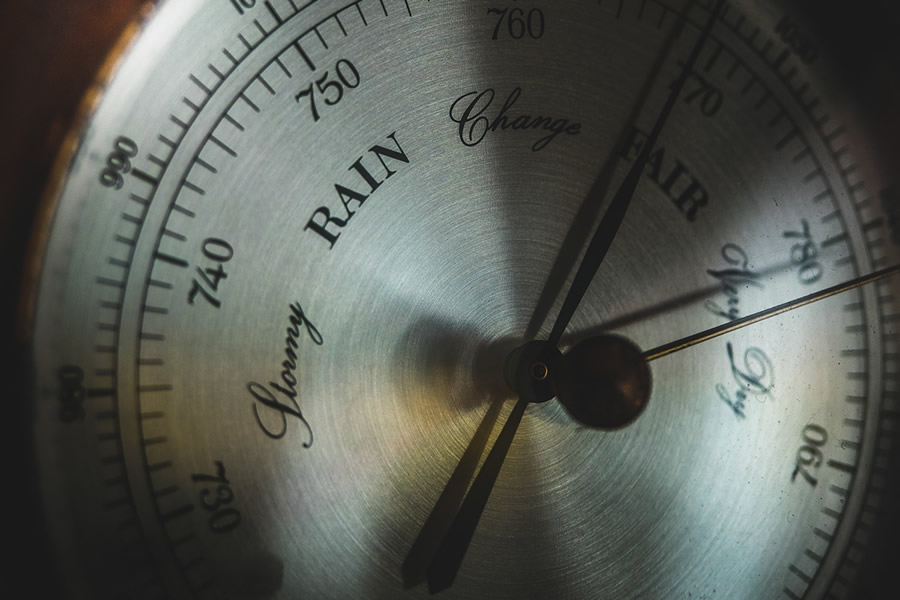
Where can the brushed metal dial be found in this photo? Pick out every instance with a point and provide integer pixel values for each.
(298, 243)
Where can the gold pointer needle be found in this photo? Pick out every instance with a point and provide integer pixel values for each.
(673, 303)
(608, 376)
(693, 340)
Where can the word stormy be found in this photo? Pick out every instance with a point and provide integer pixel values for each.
(270, 410)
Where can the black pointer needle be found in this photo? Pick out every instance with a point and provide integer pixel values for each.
(449, 556)
(611, 221)
(580, 231)
(415, 567)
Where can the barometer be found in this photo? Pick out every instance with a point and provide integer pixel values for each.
(488, 299)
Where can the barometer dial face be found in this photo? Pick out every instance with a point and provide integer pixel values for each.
(305, 254)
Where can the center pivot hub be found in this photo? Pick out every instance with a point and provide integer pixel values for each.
(534, 371)
(603, 382)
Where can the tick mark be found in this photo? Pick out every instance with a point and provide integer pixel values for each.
(234, 122)
(194, 188)
(222, 145)
(143, 176)
(200, 85)
(304, 55)
(177, 513)
(249, 102)
(273, 12)
(172, 260)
